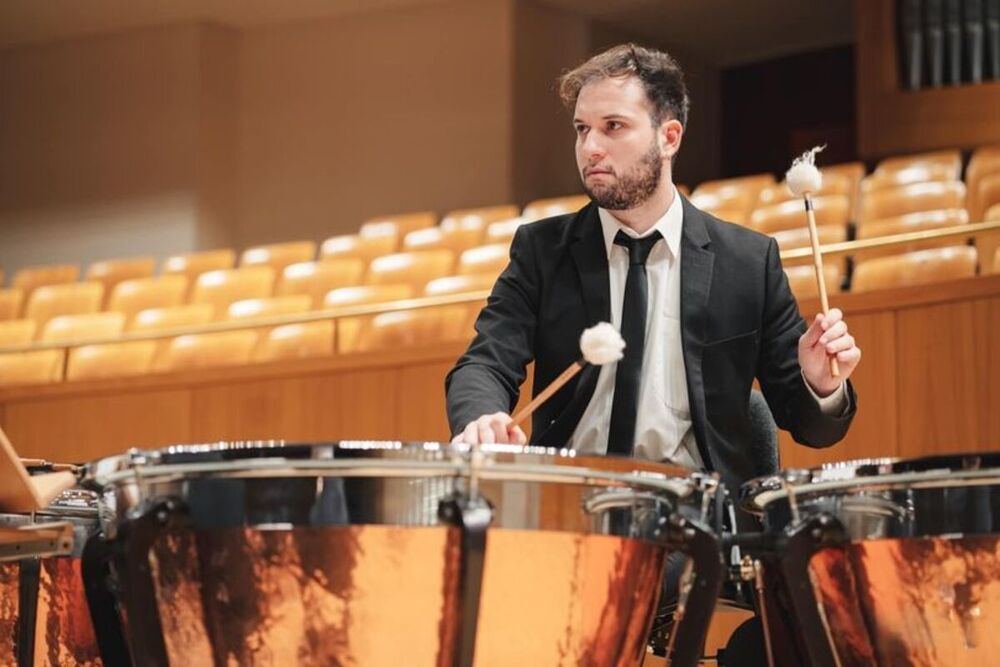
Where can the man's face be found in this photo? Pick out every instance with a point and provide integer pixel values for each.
(619, 153)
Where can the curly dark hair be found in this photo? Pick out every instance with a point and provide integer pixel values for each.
(659, 73)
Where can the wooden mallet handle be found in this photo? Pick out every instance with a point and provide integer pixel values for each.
(545, 394)
(820, 278)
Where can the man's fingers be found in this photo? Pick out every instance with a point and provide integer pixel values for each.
(840, 344)
(832, 317)
(498, 426)
(836, 331)
(813, 333)
(519, 438)
(471, 433)
(851, 356)
(486, 436)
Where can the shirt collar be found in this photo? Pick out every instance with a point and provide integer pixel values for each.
(669, 226)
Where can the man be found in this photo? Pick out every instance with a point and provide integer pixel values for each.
(703, 305)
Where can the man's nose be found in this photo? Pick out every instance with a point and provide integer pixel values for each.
(592, 147)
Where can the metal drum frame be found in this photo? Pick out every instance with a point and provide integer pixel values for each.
(828, 529)
(148, 492)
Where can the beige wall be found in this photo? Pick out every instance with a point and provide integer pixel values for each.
(378, 113)
(548, 42)
(162, 140)
(98, 144)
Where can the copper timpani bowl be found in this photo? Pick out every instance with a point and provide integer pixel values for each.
(883, 562)
(388, 553)
(44, 618)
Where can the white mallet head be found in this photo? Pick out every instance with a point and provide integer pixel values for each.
(804, 178)
(601, 344)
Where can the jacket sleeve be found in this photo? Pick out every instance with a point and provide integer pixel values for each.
(778, 370)
(487, 378)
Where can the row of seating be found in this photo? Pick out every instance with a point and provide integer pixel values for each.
(384, 331)
(853, 196)
(301, 340)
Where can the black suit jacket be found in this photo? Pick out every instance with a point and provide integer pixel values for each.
(739, 320)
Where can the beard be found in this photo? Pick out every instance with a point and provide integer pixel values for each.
(633, 187)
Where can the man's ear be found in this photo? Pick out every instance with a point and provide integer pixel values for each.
(671, 133)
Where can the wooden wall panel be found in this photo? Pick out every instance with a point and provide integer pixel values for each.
(945, 378)
(77, 428)
(357, 404)
(420, 395)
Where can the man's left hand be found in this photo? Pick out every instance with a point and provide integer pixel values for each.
(827, 338)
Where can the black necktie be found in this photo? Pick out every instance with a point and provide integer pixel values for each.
(621, 435)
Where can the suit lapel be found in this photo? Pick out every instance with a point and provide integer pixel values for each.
(586, 247)
(591, 260)
(697, 261)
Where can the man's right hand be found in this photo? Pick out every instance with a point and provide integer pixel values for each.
(490, 429)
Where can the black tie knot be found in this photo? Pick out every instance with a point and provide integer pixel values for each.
(638, 249)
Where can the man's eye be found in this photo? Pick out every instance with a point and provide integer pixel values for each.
(614, 125)
(581, 129)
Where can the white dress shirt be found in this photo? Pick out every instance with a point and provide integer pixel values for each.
(663, 429)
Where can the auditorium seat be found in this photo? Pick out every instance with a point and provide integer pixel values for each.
(223, 287)
(193, 264)
(987, 195)
(172, 317)
(502, 231)
(17, 332)
(416, 268)
(830, 211)
(348, 328)
(89, 326)
(365, 248)
(275, 306)
(155, 320)
(279, 255)
(397, 225)
(893, 202)
(131, 296)
(833, 184)
(456, 239)
(802, 280)
(730, 204)
(35, 367)
(952, 159)
(854, 171)
(911, 222)
(407, 328)
(798, 237)
(206, 350)
(915, 268)
(985, 161)
(51, 301)
(552, 206)
(486, 259)
(926, 173)
(315, 279)
(683, 189)
(31, 277)
(792, 239)
(10, 303)
(110, 272)
(727, 187)
(111, 360)
(479, 217)
(296, 341)
(996, 261)
(457, 321)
